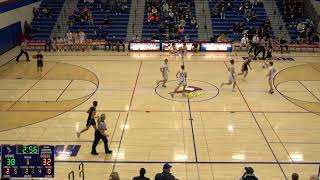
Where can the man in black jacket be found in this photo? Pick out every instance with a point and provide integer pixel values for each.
(165, 175)
(248, 174)
(141, 177)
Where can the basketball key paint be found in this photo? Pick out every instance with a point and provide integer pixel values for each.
(62, 150)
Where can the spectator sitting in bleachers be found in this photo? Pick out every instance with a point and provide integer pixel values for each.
(241, 9)
(35, 13)
(292, 10)
(222, 12)
(120, 6)
(194, 23)
(42, 12)
(135, 38)
(222, 38)
(76, 15)
(253, 16)
(46, 12)
(301, 30)
(236, 28)
(101, 32)
(229, 6)
(106, 20)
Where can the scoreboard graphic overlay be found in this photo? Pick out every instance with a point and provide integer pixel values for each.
(27, 161)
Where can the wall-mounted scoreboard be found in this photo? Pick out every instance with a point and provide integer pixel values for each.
(27, 161)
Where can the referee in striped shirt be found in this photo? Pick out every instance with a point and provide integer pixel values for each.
(100, 134)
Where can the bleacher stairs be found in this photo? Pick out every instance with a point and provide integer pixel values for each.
(135, 23)
(203, 19)
(61, 26)
(276, 19)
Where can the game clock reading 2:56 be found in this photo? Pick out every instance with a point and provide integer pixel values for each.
(29, 161)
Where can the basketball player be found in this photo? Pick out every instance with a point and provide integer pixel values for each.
(164, 69)
(75, 40)
(270, 75)
(232, 79)
(90, 120)
(82, 40)
(100, 134)
(244, 68)
(182, 81)
(60, 43)
(183, 51)
(173, 49)
(39, 57)
(69, 39)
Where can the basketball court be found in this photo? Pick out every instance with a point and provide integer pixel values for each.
(275, 134)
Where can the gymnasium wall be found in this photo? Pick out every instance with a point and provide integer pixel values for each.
(13, 13)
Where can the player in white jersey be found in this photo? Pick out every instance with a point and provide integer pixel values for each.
(82, 40)
(182, 81)
(69, 39)
(183, 51)
(76, 40)
(60, 44)
(164, 69)
(232, 79)
(173, 48)
(270, 75)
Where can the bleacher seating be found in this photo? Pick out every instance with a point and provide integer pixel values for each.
(117, 27)
(293, 32)
(150, 28)
(231, 17)
(42, 27)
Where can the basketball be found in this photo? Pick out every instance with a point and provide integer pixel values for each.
(34, 56)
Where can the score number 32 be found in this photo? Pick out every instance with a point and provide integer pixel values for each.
(46, 162)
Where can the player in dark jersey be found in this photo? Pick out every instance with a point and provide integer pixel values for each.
(90, 120)
(244, 68)
(39, 58)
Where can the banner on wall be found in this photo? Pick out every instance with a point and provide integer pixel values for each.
(222, 47)
(166, 46)
(140, 46)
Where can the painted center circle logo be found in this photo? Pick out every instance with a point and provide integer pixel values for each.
(193, 91)
(196, 91)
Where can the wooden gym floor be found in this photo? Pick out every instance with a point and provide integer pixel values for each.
(275, 134)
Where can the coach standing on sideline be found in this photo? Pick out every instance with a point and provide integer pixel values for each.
(100, 134)
(23, 51)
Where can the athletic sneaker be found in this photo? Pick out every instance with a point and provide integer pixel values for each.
(94, 153)
(109, 152)
(172, 95)
(78, 134)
